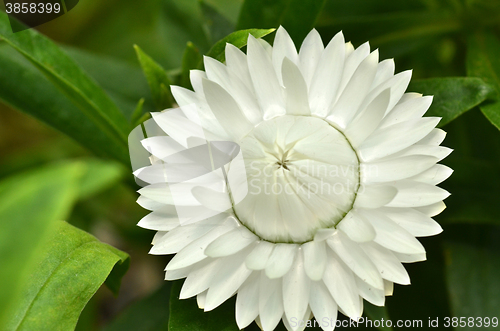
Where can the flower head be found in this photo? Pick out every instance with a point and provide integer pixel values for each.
(296, 180)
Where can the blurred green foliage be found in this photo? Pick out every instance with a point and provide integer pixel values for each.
(84, 81)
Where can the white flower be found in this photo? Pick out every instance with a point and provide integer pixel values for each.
(340, 174)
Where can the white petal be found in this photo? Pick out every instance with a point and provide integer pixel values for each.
(200, 299)
(178, 126)
(314, 259)
(411, 109)
(435, 175)
(257, 259)
(178, 238)
(196, 77)
(374, 196)
(415, 194)
(281, 260)
(296, 286)
(326, 79)
(162, 146)
(397, 168)
(247, 301)
(387, 263)
(199, 279)
(226, 110)
(236, 62)
(396, 138)
(413, 221)
(231, 242)
(438, 152)
(161, 193)
(150, 204)
(244, 97)
(265, 81)
(194, 252)
(392, 236)
(368, 119)
(433, 209)
(227, 280)
(410, 258)
(283, 47)
(159, 221)
(397, 84)
(369, 293)
(356, 227)
(340, 282)
(323, 306)
(353, 58)
(309, 55)
(212, 199)
(385, 70)
(354, 257)
(179, 273)
(270, 302)
(323, 234)
(388, 287)
(349, 101)
(296, 89)
(435, 138)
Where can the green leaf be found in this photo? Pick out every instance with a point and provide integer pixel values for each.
(123, 82)
(452, 96)
(238, 39)
(297, 16)
(376, 313)
(483, 60)
(154, 306)
(31, 203)
(62, 71)
(23, 87)
(186, 316)
(157, 78)
(74, 265)
(191, 59)
(473, 283)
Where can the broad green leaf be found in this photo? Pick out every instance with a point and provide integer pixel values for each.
(186, 316)
(483, 60)
(154, 306)
(72, 268)
(216, 25)
(473, 282)
(297, 16)
(157, 78)
(123, 82)
(62, 71)
(31, 203)
(238, 39)
(23, 87)
(376, 313)
(492, 112)
(452, 96)
(190, 60)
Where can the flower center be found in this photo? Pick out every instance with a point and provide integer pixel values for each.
(302, 175)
